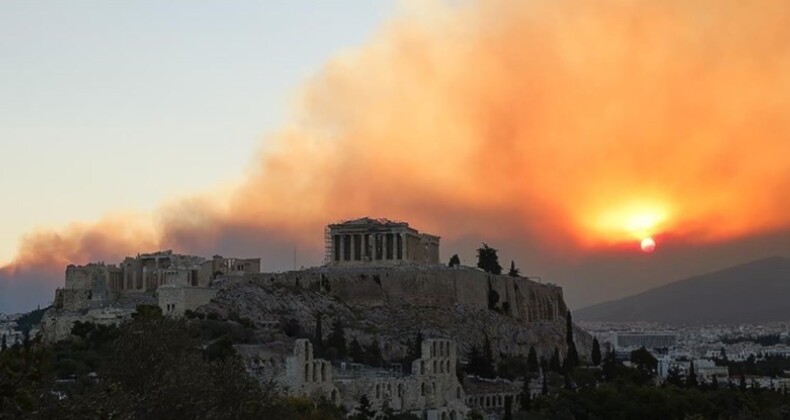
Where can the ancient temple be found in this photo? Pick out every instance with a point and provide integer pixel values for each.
(379, 241)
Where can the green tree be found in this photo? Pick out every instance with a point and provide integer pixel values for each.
(644, 361)
(544, 388)
(572, 358)
(691, 378)
(373, 355)
(532, 360)
(488, 260)
(596, 352)
(514, 272)
(364, 410)
(455, 261)
(554, 363)
(355, 351)
(481, 363)
(489, 371)
(526, 395)
(493, 298)
(318, 338)
(674, 377)
(336, 342)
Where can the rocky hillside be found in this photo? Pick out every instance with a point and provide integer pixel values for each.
(393, 304)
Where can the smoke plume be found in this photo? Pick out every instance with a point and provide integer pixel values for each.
(579, 126)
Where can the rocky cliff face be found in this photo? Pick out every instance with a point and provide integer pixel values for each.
(393, 304)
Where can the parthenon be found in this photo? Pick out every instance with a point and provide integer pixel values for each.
(379, 241)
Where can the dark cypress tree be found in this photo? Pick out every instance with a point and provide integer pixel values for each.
(609, 366)
(532, 361)
(545, 386)
(488, 260)
(454, 261)
(514, 272)
(526, 395)
(318, 339)
(364, 410)
(475, 365)
(489, 369)
(596, 352)
(508, 408)
(373, 355)
(554, 363)
(714, 384)
(337, 340)
(691, 379)
(355, 351)
(572, 358)
(415, 349)
(4, 343)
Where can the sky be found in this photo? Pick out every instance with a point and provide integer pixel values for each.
(561, 132)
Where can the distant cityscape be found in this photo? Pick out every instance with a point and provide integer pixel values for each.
(713, 349)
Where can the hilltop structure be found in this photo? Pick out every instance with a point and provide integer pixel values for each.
(108, 293)
(379, 242)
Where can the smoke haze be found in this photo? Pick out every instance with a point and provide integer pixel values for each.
(560, 131)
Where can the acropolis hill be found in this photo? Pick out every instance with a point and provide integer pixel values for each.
(382, 279)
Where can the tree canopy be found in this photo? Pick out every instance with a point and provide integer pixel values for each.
(488, 260)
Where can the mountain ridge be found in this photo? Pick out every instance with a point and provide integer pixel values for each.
(756, 291)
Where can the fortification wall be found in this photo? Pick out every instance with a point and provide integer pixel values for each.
(441, 286)
(176, 300)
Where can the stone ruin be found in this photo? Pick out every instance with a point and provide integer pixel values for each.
(368, 241)
(108, 293)
(432, 391)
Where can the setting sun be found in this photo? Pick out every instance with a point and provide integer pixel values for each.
(648, 245)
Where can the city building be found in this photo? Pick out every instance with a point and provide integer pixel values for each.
(646, 340)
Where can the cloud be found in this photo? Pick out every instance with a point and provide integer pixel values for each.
(580, 126)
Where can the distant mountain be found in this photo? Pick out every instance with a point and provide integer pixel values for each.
(758, 291)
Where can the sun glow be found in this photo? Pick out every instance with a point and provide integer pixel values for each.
(632, 222)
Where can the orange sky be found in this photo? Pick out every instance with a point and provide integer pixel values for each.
(579, 125)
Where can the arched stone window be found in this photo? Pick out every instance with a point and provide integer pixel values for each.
(307, 372)
(434, 366)
(323, 372)
(488, 401)
(422, 389)
(378, 391)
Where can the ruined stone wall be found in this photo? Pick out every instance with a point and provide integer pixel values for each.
(432, 391)
(72, 299)
(56, 325)
(176, 300)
